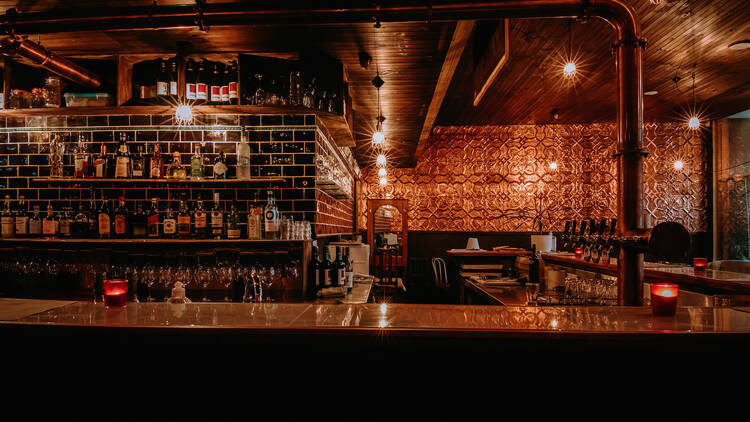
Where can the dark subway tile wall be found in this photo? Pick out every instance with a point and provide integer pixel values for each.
(282, 145)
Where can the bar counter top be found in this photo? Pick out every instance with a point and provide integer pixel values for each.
(489, 320)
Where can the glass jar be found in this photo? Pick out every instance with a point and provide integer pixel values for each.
(38, 97)
(19, 99)
(52, 86)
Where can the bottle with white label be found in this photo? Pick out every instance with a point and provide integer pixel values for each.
(255, 220)
(49, 224)
(22, 219)
(35, 223)
(123, 167)
(7, 220)
(271, 218)
(217, 219)
(170, 223)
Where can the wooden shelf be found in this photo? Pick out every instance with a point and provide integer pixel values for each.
(147, 180)
(48, 240)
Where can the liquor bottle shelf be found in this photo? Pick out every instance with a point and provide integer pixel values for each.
(48, 240)
(147, 180)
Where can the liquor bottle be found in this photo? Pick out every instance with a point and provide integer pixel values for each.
(101, 163)
(338, 270)
(217, 219)
(138, 221)
(123, 167)
(220, 166)
(93, 217)
(79, 228)
(139, 164)
(571, 241)
(233, 224)
(7, 220)
(172, 68)
(588, 244)
(325, 269)
(232, 82)
(271, 218)
(196, 163)
(175, 169)
(49, 224)
(255, 220)
(215, 85)
(243, 159)
(162, 81)
(348, 271)
(200, 220)
(80, 159)
(581, 240)
(190, 80)
(565, 235)
(315, 270)
(201, 86)
(170, 223)
(121, 217)
(65, 222)
(224, 70)
(183, 221)
(35, 223)
(598, 246)
(21, 219)
(156, 164)
(610, 252)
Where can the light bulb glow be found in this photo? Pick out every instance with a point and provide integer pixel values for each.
(569, 69)
(380, 160)
(553, 165)
(678, 165)
(378, 138)
(383, 181)
(381, 172)
(183, 115)
(694, 122)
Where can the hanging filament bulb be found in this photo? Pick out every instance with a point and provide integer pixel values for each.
(694, 122)
(569, 69)
(383, 181)
(553, 165)
(380, 160)
(381, 172)
(378, 138)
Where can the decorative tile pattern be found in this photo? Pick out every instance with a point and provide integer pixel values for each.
(498, 178)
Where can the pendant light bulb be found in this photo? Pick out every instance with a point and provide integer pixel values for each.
(381, 172)
(380, 160)
(694, 123)
(183, 115)
(569, 69)
(383, 181)
(378, 138)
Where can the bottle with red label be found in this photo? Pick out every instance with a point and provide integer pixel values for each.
(190, 81)
(224, 71)
(216, 85)
(152, 220)
(232, 83)
(201, 85)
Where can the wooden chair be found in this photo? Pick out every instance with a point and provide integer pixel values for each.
(388, 283)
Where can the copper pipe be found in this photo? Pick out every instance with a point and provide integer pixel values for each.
(629, 44)
(50, 61)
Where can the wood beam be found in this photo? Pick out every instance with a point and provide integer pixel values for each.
(456, 49)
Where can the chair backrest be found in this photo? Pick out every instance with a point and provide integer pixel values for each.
(440, 271)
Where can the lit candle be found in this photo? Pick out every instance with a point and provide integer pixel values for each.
(664, 299)
(115, 293)
(579, 253)
(699, 264)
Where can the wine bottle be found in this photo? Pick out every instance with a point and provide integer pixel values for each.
(224, 77)
(190, 80)
(92, 216)
(348, 271)
(162, 81)
(232, 82)
(104, 221)
(201, 86)
(315, 270)
(80, 159)
(172, 68)
(215, 85)
(176, 170)
(325, 267)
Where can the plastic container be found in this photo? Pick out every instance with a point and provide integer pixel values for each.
(97, 99)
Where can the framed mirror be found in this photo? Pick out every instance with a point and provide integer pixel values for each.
(387, 222)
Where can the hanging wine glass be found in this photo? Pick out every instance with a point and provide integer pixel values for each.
(260, 94)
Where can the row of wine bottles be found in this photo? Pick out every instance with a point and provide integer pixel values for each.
(206, 82)
(337, 273)
(593, 242)
(117, 221)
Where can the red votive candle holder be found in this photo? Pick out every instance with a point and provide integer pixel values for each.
(664, 299)
(579, 253)
(699, 264)
(115, 293)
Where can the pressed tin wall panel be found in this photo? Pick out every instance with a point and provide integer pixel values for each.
(498, 178)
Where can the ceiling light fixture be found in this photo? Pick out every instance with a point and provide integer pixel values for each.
(678, 165)
(553, 165)
(383, 181)
(655, 1)
(694, 122)
(569, 70)
(740, 45)
(183, 115)
(378, 137)
(380, 160)
(382, 172)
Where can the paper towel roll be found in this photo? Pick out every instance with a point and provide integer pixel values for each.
(543, 242)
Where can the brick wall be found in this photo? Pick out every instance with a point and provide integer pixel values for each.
(282, 145)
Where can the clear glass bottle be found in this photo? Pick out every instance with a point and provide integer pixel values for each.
(80, 159)
(243, 159)
(176, 170)
(196, 163)
(220, 166)
(56, 156)
(156, 164)
(271, 218)
(123, 165)
(255, 220)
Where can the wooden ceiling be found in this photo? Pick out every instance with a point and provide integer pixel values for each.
(684, 37)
